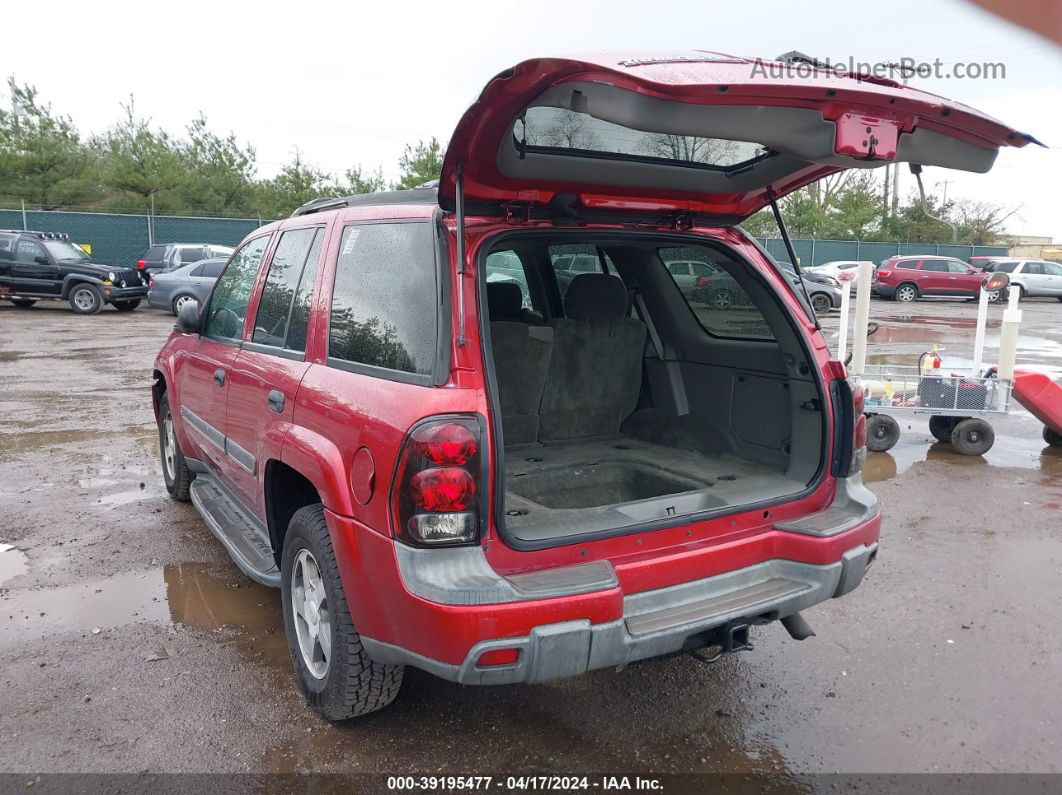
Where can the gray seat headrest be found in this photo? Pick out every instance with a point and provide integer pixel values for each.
(596, 296)
(504, 301)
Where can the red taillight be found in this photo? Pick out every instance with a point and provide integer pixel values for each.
(703, 281)
(442, 489)
(436, 501)
(496, 657)
(449, 444)
(880, 274)
(142, 265)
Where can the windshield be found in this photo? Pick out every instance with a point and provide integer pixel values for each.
(62, 250)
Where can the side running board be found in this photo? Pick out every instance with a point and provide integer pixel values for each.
(244, 538)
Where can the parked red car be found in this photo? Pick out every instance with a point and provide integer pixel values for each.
(912, 277)
(501, 479)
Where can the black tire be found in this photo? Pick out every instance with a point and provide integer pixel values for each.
(127, 306)
(352, 683)
(85, 298)
(1052, 438)
(906, 293)
(23, 303)
(178, 300)
(972, 436)
(941, 427)
(721, 299)
(175, 473)
(883, 432)
(821, 303)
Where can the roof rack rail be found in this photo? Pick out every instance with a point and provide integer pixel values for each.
(423, 194)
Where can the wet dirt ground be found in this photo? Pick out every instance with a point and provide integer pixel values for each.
(129, 641)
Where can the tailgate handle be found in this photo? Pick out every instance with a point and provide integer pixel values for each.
(275, 399)
(219, 377)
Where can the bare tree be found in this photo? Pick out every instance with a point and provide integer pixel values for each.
(691, 148)
(565, 130)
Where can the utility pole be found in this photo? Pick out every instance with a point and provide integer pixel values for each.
(944, 200)
(885, 198)
(895, 188)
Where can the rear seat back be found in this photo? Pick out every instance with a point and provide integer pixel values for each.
(521, 360)
(595, 368)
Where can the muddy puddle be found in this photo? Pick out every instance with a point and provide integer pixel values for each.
(196, 595)
(12, 563)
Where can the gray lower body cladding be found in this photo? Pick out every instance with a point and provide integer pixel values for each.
(654, 623)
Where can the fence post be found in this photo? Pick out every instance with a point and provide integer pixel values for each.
(812, 252)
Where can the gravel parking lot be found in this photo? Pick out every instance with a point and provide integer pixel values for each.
(130, 642)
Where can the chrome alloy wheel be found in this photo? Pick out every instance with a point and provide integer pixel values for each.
(169, 448)
(312, 614)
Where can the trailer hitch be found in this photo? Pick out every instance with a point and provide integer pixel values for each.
(728, 638)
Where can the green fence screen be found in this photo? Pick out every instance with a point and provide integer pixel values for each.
(123, 239)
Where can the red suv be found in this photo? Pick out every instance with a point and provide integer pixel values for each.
(910, 278)
(451, 451)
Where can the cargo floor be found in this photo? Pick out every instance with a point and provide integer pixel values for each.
(571, 488)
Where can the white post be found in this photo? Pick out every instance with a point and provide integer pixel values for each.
(979, 333)
(862, 319)
(1008, 336)
(25, 226)
(842, 330)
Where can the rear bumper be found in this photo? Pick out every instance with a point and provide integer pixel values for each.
(654, 623)
(440, 610)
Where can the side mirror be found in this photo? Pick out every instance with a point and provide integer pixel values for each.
(994, 281)
(41, 259)
(188, 318)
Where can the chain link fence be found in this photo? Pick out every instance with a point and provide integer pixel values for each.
(117, 239)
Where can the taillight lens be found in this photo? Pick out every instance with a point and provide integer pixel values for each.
(436, 501)
(880, 274)
(142, 265)
(703, 281)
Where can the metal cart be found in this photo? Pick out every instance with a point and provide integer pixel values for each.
(958, 404)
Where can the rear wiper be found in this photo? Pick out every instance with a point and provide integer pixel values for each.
(792, 257)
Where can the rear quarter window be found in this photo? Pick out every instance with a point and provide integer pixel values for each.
(385, 298)
(717, 300)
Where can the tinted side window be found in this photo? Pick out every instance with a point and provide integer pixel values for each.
(28, 251)
(197, 270)
(7, 247)
(908, 265)
(934, 265)
(300, 308)
(1052, 268)
(212, 270)
(228, 303)
(1034, 268)
(719, 303)
(384, 301)
(957, 267)
(271, 322)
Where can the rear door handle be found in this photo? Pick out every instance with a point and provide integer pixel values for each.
(276, 400)
(219, 377)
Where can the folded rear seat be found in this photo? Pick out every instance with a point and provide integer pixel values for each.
(521, 360)
(595, 368)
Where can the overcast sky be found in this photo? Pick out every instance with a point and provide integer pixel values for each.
(353, 82)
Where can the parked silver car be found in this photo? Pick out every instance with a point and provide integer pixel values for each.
(1031, 277)
(174, 288)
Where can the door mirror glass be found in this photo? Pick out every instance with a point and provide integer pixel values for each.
(41, 259)
(188, 318)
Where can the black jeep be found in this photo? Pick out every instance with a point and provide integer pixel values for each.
(46, 265)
